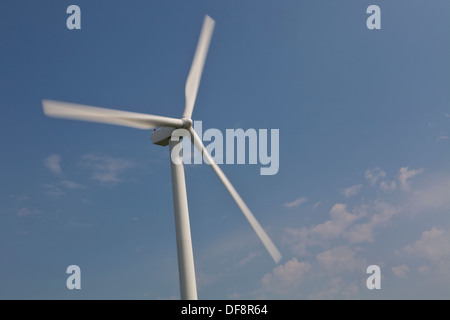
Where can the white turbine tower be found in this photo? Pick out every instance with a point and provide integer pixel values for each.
(169, 135)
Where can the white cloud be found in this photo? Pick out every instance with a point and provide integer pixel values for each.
(405, 174)
(380, 214)
(52, 190)
(388, 186)
(71, 185)
(342, 225)
(424, 269)
(286, 278)
(296, 202)
(376, 174)
(203, 280)
(20, 198)
(24, 212)
(338, 260)
(433, 245)
(373, 175)
(432, 251)
(340, 220)
(78, 225)
(316, 205)
(57, 189)
(298, 239)
(247, 259)
(235, 296)
(53, 163)
(431, 196)
(362, 232)
(339, 246)
(336, 288)
(400, 271)
(353, 190)
(107, 169)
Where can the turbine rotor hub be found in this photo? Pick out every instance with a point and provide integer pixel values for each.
(187, 122)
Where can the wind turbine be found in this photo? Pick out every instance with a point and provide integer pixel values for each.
(169, 133)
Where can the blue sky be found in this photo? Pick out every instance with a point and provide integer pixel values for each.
(364, 120)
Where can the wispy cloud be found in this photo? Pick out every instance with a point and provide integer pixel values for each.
(336, 287)
(247, 259)
(380, 214)
(359, 223)
(341, 246)
(400, 271)
(289, 280)
(432, 195)
(59, 188)
(377, 174)
(339, 259)
(373, 175)
(340, 220)
(388, 186)
(296, 202)
(432, 250)
(53, 163)
(351, 191)
(285, 278)
(434, 244)
(203, 280)
(71, 185)
(405, 174)
(52, 190)
(107, 169)
(20, 197)
(78, 225)
(24, 212)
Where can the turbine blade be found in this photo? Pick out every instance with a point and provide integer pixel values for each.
(195, 74)
(74, 111)
(273, 251)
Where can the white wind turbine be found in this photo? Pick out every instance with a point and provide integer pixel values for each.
(169, 135)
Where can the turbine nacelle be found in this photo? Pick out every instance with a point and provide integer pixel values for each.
(161, 136)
